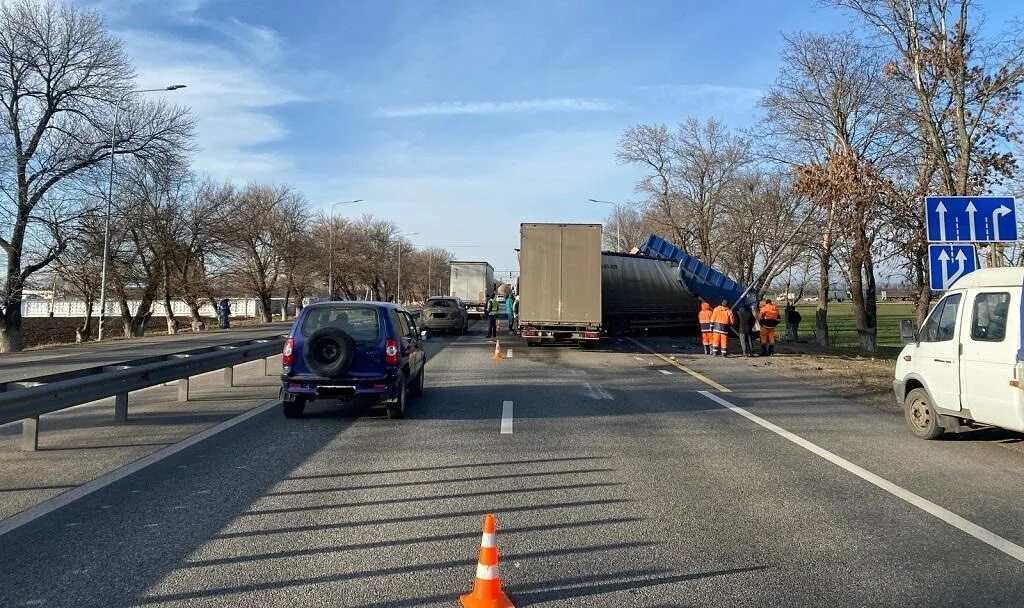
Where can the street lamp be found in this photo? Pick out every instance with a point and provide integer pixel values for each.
(398, 290)
(330, 246)
(618, 221)
(110, 201)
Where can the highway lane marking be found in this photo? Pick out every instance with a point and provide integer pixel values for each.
(683, 368)
(665, 371)
(984, 535)
(506, 418)
(44, 508)
(509, 354)
(598, 392)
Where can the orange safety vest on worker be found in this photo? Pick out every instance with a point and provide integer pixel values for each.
(721, 319)
(768, 318)
(704, 318)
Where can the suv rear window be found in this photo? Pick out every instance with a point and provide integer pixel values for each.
(447, 303)
(360, 322)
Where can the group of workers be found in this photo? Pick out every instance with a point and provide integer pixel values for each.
(716, 323)
(493, 310)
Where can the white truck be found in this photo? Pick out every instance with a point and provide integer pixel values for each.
(965, 367)
(473, 283)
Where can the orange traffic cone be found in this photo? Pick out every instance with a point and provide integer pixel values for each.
(487, 591)
(497, 351)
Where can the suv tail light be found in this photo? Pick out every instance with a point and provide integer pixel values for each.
(391, 352)
(287, 358)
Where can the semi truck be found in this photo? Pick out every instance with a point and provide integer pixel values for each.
(560, 283)
(473, 283)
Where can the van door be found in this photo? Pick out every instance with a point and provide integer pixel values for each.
(989, 357)
(938, 353)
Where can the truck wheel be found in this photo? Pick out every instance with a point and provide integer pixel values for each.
(924, 421)
(294, 408)
(396, 409)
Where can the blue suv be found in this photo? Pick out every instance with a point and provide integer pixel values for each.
(348, 350)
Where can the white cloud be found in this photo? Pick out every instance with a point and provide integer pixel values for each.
(720, 92)
(450, 108)
(231, 89)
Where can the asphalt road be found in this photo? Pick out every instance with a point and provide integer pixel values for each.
(29, 364)
(621, 484)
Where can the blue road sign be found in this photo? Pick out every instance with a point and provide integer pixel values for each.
(947, 263)
(967, 219)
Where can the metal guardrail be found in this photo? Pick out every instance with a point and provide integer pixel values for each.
(26, 400)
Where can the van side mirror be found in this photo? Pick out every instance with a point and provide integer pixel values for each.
(908, 331)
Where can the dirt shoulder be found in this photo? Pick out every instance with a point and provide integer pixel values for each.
(864, 379)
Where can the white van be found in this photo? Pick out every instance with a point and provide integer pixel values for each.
(964, 367)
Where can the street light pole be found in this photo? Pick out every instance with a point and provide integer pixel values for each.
(401, 246)
(110, 201)
(330, 246)
(618, 221)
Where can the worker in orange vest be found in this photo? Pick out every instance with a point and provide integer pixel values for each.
(721, 319)
(706, 335)
(768, 318)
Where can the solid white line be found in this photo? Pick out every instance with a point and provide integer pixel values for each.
(16, 521)
(984, 535)
(506, 418)
(509, 354)
(665, 371)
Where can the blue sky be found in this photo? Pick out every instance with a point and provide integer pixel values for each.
(458, 120)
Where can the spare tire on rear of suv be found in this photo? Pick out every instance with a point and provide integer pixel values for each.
(329, 352)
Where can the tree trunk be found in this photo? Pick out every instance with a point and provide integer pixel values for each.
(172, 322)
(821, 313)
(84, 333)
(266, 312)
(284, 305)
(197, 319)
(10, 332)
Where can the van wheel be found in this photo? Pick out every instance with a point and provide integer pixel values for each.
(294, 408)
(924, 421)
(396, 409)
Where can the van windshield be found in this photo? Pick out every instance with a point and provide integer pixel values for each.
(360, 322)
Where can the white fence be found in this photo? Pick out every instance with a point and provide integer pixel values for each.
(241, 307)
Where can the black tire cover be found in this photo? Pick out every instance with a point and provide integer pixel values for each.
(329, 352)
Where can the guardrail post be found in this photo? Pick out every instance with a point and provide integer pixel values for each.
(229, 376)
(183, 389)
(121, 407)
(30, 434)
(29, 426)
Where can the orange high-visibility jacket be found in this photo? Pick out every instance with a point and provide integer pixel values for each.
(768, 315)
(704, 316)
(722, 318)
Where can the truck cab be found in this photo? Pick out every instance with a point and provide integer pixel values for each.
(964, 367)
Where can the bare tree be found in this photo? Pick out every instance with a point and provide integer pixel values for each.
(61, 69)
(79, 267)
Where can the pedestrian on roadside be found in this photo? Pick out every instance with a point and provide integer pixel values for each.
(491, 310)
(768, 318)
(224, 313)
(515, 313)
(792, 322)
(745, 321)
(510, 305)
(721, 320)
(706, 334)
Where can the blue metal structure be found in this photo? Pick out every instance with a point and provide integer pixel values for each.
(702, 280)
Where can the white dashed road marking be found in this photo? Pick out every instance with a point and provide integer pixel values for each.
(665, 371)
(984, 535)
(506, 418)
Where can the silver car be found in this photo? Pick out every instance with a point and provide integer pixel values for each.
(444, 314)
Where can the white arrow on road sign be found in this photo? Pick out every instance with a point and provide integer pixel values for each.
(971, 210)
(997, 213)
(961, 260)
(940, 209)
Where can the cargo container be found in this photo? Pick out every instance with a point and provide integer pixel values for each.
(640, 294)
(560, 283)
(473, 283)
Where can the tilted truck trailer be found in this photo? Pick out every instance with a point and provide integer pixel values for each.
(560, 283)
(473, 283)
